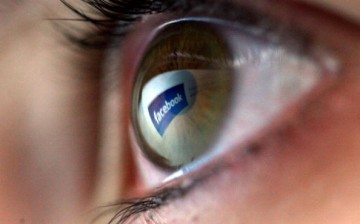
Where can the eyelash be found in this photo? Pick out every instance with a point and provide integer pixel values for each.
(134, 207)
(110, 19)
(129, 209)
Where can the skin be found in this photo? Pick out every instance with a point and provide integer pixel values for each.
(55, 167)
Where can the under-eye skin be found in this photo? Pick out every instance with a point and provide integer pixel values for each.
(255, 69)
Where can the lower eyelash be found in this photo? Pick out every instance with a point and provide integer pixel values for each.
(131, 209)
(135, 207)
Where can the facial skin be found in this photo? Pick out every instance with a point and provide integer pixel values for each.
(57, 157)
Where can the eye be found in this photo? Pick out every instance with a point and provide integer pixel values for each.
(203, 84)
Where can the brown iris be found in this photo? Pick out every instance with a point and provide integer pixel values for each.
(182, 93)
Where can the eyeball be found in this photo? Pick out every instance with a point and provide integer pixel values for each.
(197, 83)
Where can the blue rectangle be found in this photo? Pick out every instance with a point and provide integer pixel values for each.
(166, 106)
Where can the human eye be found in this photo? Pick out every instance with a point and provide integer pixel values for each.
(201, 75)
(217, 94)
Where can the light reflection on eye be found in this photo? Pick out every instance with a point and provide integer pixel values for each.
(202, 87)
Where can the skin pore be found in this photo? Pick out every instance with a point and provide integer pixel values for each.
(55, 164)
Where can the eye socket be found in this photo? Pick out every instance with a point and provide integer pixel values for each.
(204, 85)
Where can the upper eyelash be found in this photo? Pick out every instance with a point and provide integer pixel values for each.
(115, 18)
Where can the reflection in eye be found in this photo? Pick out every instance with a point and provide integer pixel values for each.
(202, 78)
(182, 93)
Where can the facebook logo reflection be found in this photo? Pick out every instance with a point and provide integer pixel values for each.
(167, 106)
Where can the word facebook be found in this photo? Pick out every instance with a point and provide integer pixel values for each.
(166, 106)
